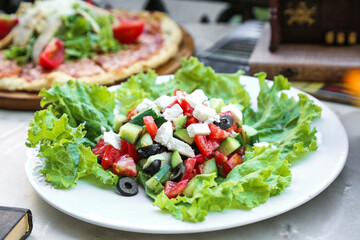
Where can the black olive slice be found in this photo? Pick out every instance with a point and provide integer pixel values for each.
(177, 173)
(153, 168)
(148, 151)
(127, 186)
(225, 122)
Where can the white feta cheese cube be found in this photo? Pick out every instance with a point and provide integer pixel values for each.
(145, 104)
(164, 133)
(164, 101)
(203, 113)
(196, 97)
(183, 148)
(264, 144)
(173, 112)
(198, 128)
(235, 111)
(112, 139)
(216, 118)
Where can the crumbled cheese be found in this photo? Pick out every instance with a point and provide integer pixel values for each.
(196, 97)
(264, 144)
(216, 118)
(113, 139)
(145, 104)
(183, 148)
(173, 112)
(164, 133)
(203, 113)
(164, 101)
(198, 128)
(235, 111)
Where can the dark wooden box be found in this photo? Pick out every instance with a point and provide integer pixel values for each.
(331, 22)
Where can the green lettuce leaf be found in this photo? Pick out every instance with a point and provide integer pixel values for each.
(91, 106)
(248, 185)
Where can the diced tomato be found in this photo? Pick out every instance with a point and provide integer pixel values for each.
(132, 152)
(111, 155)
(217, 133)
(190, 120)
(213, 144)
(6, 24)
(241, 151)
(100, 148)
(220, 158)
(189, 166)
(199, 169)
(53, 54)
(231, 163)
(233, 128)
(125, 166)
(199, 158)
(127, 31)
(131, 113)
(124, 147)
(186, 107)
(170, 105)
(201, 143)
(150, 126)
(172, 189)
(176, 91)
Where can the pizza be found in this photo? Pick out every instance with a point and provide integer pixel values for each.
(57, 40)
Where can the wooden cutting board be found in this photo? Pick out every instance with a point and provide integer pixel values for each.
(31, 101)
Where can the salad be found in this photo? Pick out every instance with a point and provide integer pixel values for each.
(194, 147)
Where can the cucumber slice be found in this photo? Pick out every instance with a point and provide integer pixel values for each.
(159, 121)
(163, 157)
(138, 118)
(183, 135)
(179, 122)
(175, 159)
(250, 135)
(189, 189)
(217, 104)
(239, 138)
(155, 182)
(130, 132)
(144, 141)
(118, 122)
(228, 146)
(210, 166)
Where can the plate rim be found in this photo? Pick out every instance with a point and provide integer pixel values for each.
(134, 228)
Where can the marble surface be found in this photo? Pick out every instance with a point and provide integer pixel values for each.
(334, 214)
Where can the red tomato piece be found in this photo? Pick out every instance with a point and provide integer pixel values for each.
(189, 166)
(220, 158)
(111, 155)
(217, 133)
(127, 31)
(125, 166)
(199, 169)
(233, 128)
(131, 113)
(173, 189)
(241, 151)
(186, 107)
(171, 104)
(53, 54)
(176, 91)
(100, 148)
(190, 120)
(231, 163)
(202, 144)
(132, 152)
(199, 159)
(6, 24)
(150, 126)
(124, 147)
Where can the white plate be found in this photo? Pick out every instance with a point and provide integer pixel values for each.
(106, 208)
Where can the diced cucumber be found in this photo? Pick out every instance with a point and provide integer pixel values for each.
(217, 104)
(144, 141)
(159, 121)
(130, 132)
(210, 166)
(175, 159)
(179, 122)
(250, 135)
(228, 146)
(142, 162)
(138, 118)
(163, 157)
(155, 182)
(189, 189)
(118, 122)
(238, 137)
(183, 135)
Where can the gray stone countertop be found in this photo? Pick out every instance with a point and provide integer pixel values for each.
(333, 214)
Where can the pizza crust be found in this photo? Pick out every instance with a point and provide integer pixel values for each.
(171, 38)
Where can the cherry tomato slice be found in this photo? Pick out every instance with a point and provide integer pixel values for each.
(125, 166)
(127, 31)
(172, 189)
(150, 126)
(53, 54)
